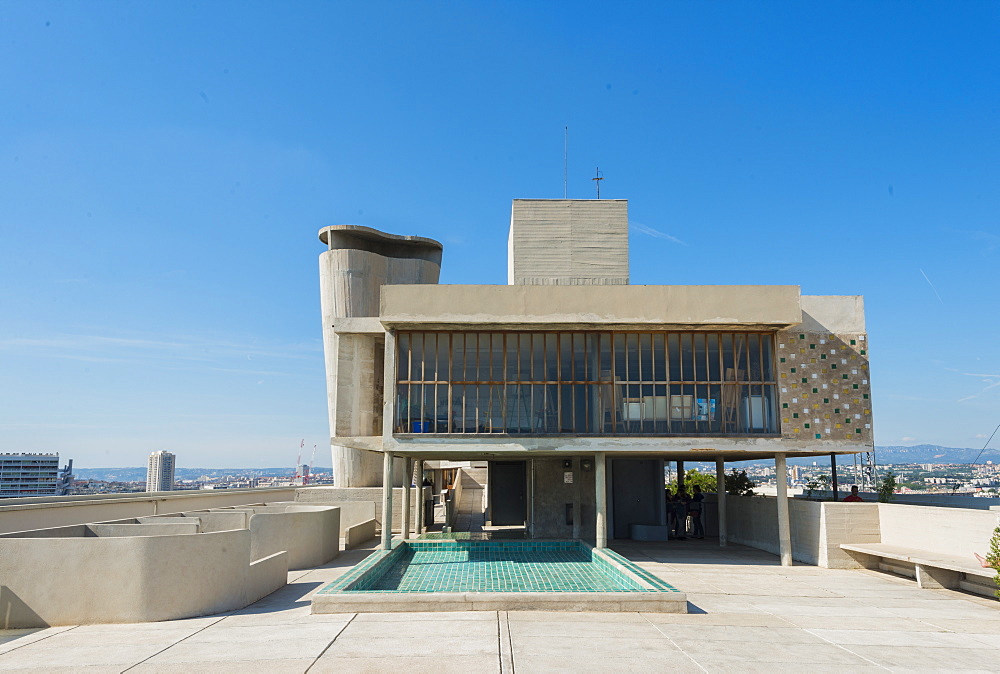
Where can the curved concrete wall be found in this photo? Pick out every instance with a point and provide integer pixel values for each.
(310, 534)
(357, 263)
(66, 581)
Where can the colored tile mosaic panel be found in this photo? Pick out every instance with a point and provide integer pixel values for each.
(829, 397)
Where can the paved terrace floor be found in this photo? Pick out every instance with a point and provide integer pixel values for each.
(747, 614)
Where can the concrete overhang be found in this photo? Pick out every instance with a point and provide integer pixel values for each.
(477, 448)
(587, 307)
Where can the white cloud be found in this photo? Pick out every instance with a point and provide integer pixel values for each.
(907, 438)
(655, 233)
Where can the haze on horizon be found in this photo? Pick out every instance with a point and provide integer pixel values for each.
(164, 170)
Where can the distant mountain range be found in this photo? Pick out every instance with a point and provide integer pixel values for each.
(138, 474)
(883, 456)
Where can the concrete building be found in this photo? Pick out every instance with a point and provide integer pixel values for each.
(575, 386)
(160, 471)
(23, 474)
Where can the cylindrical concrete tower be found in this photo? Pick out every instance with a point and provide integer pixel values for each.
(357, 263)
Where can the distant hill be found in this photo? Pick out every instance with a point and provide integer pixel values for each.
(138, 474)
(934, 454)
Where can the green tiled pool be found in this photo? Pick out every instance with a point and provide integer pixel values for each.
(457, 574)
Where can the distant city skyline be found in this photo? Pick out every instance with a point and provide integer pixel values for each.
(164, 178)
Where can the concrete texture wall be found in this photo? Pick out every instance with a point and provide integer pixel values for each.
(823, 374)
(948, 531)
(357, 263)
(66, 581)
(550, 495)
(365, 495)
(360, 533)
(309, 534)
(753, 521)
(568, 242)
(54, 511)
(569, 307)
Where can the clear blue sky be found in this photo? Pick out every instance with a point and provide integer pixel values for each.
(165, 167)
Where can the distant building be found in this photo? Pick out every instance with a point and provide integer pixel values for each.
(33, 475)
(160, 471)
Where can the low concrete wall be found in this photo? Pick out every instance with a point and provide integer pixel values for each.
(309, 533)
(341, 496)
(266, 575)
(67, 581)
(817, 528)
(23, 514)
(359, 534)
(948, 531)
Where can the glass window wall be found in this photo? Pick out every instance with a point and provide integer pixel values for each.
(586, 383)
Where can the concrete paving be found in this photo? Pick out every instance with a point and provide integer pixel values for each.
(747, 613)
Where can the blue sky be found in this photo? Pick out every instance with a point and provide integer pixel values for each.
(165, 167)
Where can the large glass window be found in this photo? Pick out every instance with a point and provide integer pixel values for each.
(586, 383)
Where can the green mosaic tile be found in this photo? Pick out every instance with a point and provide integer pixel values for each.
(819, 435)
(496, 566)
(815, 390)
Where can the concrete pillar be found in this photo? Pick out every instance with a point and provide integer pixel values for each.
(833, 473)
(421, 497)
(784, 524)
(720, 479)
(387, 500)
(407, 489)
(680, 475)
(601, 500)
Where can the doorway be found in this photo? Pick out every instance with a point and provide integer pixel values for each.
(508, 488)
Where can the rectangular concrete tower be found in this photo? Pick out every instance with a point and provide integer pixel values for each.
(568, 242)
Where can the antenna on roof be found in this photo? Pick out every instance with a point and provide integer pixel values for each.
(565, 158)
(597, 180)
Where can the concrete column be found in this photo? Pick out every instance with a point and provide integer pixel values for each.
(680, 475)
(421, 497)
(387, 500)
(601, 500)
(405, 529)
(784, 525)
(833, 475)
(720, 479)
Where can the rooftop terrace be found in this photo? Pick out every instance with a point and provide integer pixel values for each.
(746, 613)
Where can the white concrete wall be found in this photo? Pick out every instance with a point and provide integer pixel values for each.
(55, 511)
(66, 581)
(819, 527)
(345, 496)
(949, 531)
(358, 534)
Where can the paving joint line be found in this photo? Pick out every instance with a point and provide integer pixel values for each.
(332, 641)
(674, 643)
(505, 642)
(70, 629)
(215, 622)
(845, 648)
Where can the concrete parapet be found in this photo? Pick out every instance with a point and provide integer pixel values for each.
(67, 581)
(358, 534)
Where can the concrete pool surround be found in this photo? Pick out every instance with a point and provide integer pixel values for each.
(450, 575)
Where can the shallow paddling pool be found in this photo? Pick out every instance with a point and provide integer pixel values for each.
(450, 575)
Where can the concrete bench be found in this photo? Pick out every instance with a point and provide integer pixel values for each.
(931, 569)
